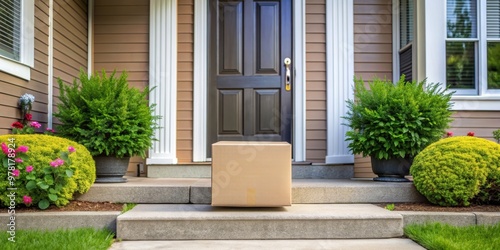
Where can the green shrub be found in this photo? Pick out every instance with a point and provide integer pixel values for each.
(453, 171)
(105, 115)
(42, 151)
(396, 119)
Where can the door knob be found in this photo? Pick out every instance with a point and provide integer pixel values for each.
(287, 62)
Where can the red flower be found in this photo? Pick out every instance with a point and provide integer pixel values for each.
(17, 125)
(448, 134)
(470, 134)
(28, 117)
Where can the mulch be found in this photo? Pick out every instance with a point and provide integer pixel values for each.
(75, 206)
(109, 206)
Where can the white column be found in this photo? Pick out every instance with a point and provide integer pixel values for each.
(163, 78)
(339, 77)
(200, 81)
(299, 97)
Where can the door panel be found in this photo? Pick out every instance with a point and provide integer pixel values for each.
(231, 110)
(249, 41)
(231, 38)
(267, 37)
(267, 102)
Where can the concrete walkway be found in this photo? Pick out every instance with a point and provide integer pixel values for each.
(360, 244)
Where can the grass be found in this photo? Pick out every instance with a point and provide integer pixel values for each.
(62, 239)
(128, 206)
(390, 207)
(436, 236)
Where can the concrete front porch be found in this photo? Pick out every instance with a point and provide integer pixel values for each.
(304, 191)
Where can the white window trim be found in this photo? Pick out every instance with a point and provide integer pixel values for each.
(22, 68)
(434, 59)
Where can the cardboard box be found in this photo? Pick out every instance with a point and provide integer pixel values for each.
(251, 174)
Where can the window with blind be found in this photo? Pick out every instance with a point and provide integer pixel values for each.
(405, 38)
(473, 46)
(493, 43)
(461, 44)
(10, 28)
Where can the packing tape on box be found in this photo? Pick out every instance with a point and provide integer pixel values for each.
(251, 197)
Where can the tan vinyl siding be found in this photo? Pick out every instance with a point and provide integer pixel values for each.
(481, 123)
(372, 52)
(70, 43)
(185, 43)
(12, 87)
(121, 43)
(315, 80)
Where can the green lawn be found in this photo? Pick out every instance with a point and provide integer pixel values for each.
(436, 236)
(70, 239)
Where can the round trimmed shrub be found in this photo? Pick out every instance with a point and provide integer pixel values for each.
(453, 171)
(43, 150)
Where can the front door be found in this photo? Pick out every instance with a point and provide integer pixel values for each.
(250, 71)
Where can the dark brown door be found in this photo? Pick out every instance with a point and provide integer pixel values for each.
(248, 97)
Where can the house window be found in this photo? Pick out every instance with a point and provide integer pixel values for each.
(17, 37)
(405, 38)
(10, 28)
(473, 46)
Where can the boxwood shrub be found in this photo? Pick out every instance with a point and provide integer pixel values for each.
(42, 151)
(455, 170)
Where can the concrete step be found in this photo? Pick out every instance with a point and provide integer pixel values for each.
(301, 221)
(356, 244)
(304, 191)
(299, 171)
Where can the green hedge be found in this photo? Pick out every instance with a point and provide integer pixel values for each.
(42, 150)
(457, 170)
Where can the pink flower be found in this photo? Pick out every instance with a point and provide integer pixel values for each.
(449, 134)
(19, 160)
(470, 134)
(22, 149)
(71, 149)
(35, 124)
(15, 172)
(5, 149)
(58, 162)
(50, 130)
(27, 200)
(29, 169)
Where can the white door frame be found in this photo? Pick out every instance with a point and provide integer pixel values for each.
(200, 82)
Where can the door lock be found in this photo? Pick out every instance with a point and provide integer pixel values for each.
(287, 62)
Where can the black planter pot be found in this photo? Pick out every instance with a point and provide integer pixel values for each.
(110, 169)
(391, 170)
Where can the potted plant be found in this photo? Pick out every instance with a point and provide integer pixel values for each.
(393, 122)
(113, 120)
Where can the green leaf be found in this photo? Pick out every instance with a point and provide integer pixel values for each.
(53, 197)
(52, 191)
(69, 172)
(30, 177)
(43, 204)
(47, 170)
(49, 179)
(43, 185)
(31, 185)
(64, 155)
